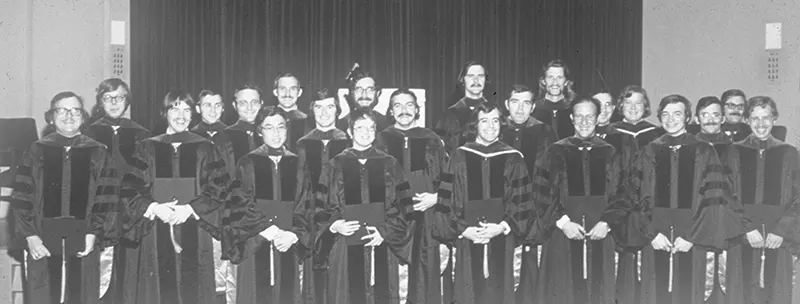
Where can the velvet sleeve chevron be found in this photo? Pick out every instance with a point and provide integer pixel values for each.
(135, 194)
(448, 224)
(327, 209)
(545, 190)
(521, 214)
(23, 213)
(300, 220)
(619, 214)
(733, 176)
(214, 183)
(436, 158)
(789, 225)
(241, 222)
(397, 233)
(715, 219)
(640, 184)
(104, 215)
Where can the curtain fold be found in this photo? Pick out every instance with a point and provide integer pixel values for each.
(222, 44)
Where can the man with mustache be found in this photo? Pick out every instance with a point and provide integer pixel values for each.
(736, 124)
(607, 107)
(471, 82)
(421, 155)
(287, 90)
(683, 207)
(555, 95)
(244, 133)
(532, 138)
(363, 95)
(765, 175)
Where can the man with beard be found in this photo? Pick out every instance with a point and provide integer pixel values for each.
(682, 208)
(736, 125)
(452, 128)
(532, 138)
(363, 95)
(765, 173)
(287, 90)
(485, 211)
(243, 134)
(314, 150)
(607, 107)
(554, 97)
(120, 135)
(420, 153)
(579, 179)
(363, 231)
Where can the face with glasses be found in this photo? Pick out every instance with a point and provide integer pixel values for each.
(711, 119)
(68, 116)
(247, 103)
(364, 92)
(673, 118)
(404, 110)
(633, 108)
(734, 109)
(273, 131)
(363, 133)
(584, 118)
(115, 102)
(606, 108)
(179, 116)
(288, 91)
(210, 108)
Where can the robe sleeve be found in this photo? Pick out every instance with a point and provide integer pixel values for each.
(789, 224)
(449, 129)
(135, 194)
(448, 224)
(241, 222)
(23, 215)
(717, 218)
(733, 175)
(328, 202)
(104, 215)
(640, 209)
(300, 220)
(436, 158)
(619, 214)
(397, 232)
(546, 190)
(520, 213)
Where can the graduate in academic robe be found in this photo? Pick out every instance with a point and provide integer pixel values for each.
(451, 128)
(485, 211)
(172, 200)
(63, 208)
(735, 126)
(554, 97)
(684, 210)
(765, 173)
(273, 186)
(363, 233)
(363, 93)
(243, 134)
(120, 135)
(210, 107)
(607, 110)
(532, 138)
(421, 155)
(314, 150)
(578, 179)
(287, 89)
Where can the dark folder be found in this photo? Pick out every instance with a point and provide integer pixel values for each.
(486, 211)
(71, 230)
(278, 212)
(680, 219)
(591, 207)
(167, 189)
(761, 214)
(369, 214)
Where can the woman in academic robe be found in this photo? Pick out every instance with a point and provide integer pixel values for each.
(265, 222)
(363, 235)
(63, 208)
(484, 211)
(171, 198)
(120, 135)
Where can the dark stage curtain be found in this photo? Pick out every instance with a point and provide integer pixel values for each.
(222, 44)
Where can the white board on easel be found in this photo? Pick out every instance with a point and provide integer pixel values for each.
(383, 103)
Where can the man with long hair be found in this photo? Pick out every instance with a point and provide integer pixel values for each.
(554, 97)
(471, 82)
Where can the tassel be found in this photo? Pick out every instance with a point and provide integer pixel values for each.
(63, 269)
(639, 265)
(271, 265)
(763, 257)
(486, 261)
(539, 255)
(175, 244)
(372, 266)
(671, 255)
(585, 270)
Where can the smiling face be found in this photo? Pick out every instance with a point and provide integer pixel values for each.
(475, 80)
(404, 110)
(606, 108)
(584, 118)
(520, 106)
(488, 127)
(115, 102)
(633, 108)
(324, 112)
(247, 104)
(555, 80)
(210, 108)
(363, 133)
(288, 91)
(761, 121)
(673, 118)
(711, 119)
(365, 92)
(179, 116)
(273, 131)
(68, 116)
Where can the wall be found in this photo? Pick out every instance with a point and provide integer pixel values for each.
(701, 48)
(53, 46)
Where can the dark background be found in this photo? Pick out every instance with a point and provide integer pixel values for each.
(222, 44)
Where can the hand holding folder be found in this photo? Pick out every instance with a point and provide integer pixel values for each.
(369, 214)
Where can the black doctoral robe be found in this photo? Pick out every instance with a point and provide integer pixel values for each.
(491, 182)
(270, 194)
(65, 188)
(381, 122)
(556, 115)
(766, 178)
(174, 264)
(602, 131)
(532, 139)
(452, 128)
(580, 179)
(347, 189)
(298, 126)
(120, 136)
(244, 137)
(680, 191)
(420, 153)
(314, 150)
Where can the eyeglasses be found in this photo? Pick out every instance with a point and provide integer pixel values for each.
(244, 103)
(368, 90)
(114, 99)
(71, 111)
(733, 106)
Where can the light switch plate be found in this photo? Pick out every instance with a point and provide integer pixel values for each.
(117, 61)
(773, 67)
